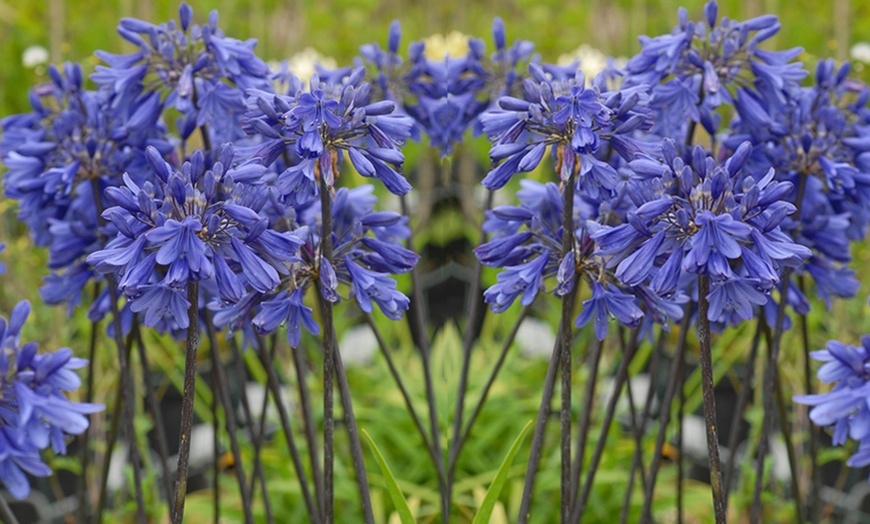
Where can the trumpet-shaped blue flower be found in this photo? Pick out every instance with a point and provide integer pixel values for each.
(562, 114)
(323, 124)
(845, 406)
(196, 224)
(35, 412)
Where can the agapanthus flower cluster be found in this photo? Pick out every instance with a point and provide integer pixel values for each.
(704, 217)
(845, 406)
(321, 125)
(818, 140)
(35, 413)
(367, 249)
(61, 156)
(199, 223)
(193, 68)
(560, 114)
(527, 243)
(701, 65)
(446, 93)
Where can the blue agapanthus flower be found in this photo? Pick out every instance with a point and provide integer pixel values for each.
(845, 406)
(701, 65)
(61, 156)
(818, 138)
(35, 413)
(367, 250)
(526, 241)
(193, 68)
(195, 224)
(445, 95)
(559, 113)
(320, 126)
(704, 218)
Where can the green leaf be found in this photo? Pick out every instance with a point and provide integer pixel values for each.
(392, 486)
(492, 494)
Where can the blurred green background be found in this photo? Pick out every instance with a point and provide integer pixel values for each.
(73, 29)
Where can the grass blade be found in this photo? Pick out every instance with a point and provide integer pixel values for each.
(492, 494)
(392, 486)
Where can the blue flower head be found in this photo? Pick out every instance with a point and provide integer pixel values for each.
(845, 406)
(445, 95)
(61, 156)
(196, 224)
(526, 241)
(195, 69)
(323, 125)
(35, 412)
(701, 65)
(561, 114)
(707, 218)
(366, 251)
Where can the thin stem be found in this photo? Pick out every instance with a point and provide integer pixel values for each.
(792, 458)
(255, 437)
(328, 364)
(417, 313)
(6, 512)
(222, 393)
(275, 388)
(107, 460)
(84, 500)
(538, 434)
(610, 412)
(457, 437)
(156, 415)
(385, 351)
(356, 452)
(707, 385)
(585, 421)
(310, 429)
(187, 400)
(637, 459)
(770, 378)
(635, 428)
(129, 407)
(126, 378)
(680, 420)
(565, 335)
(742, 399)
(216, 470)
(674, 373)
(508, 341)
(815, 472)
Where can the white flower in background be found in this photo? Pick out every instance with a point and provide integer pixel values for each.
(439, 47)
(860, 52)
(592, 61)
(33, 56)
(304, 63)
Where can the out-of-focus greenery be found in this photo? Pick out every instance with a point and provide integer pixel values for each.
(72, 29)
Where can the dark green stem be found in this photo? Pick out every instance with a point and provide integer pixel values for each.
(222, 393)
(673, 375)
(565, 365)
(707, 389)
(187, 400)
(585, 421)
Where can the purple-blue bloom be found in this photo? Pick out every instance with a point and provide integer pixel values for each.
(845, 406)
(322, 125)
(35, 412)
(195, 224)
